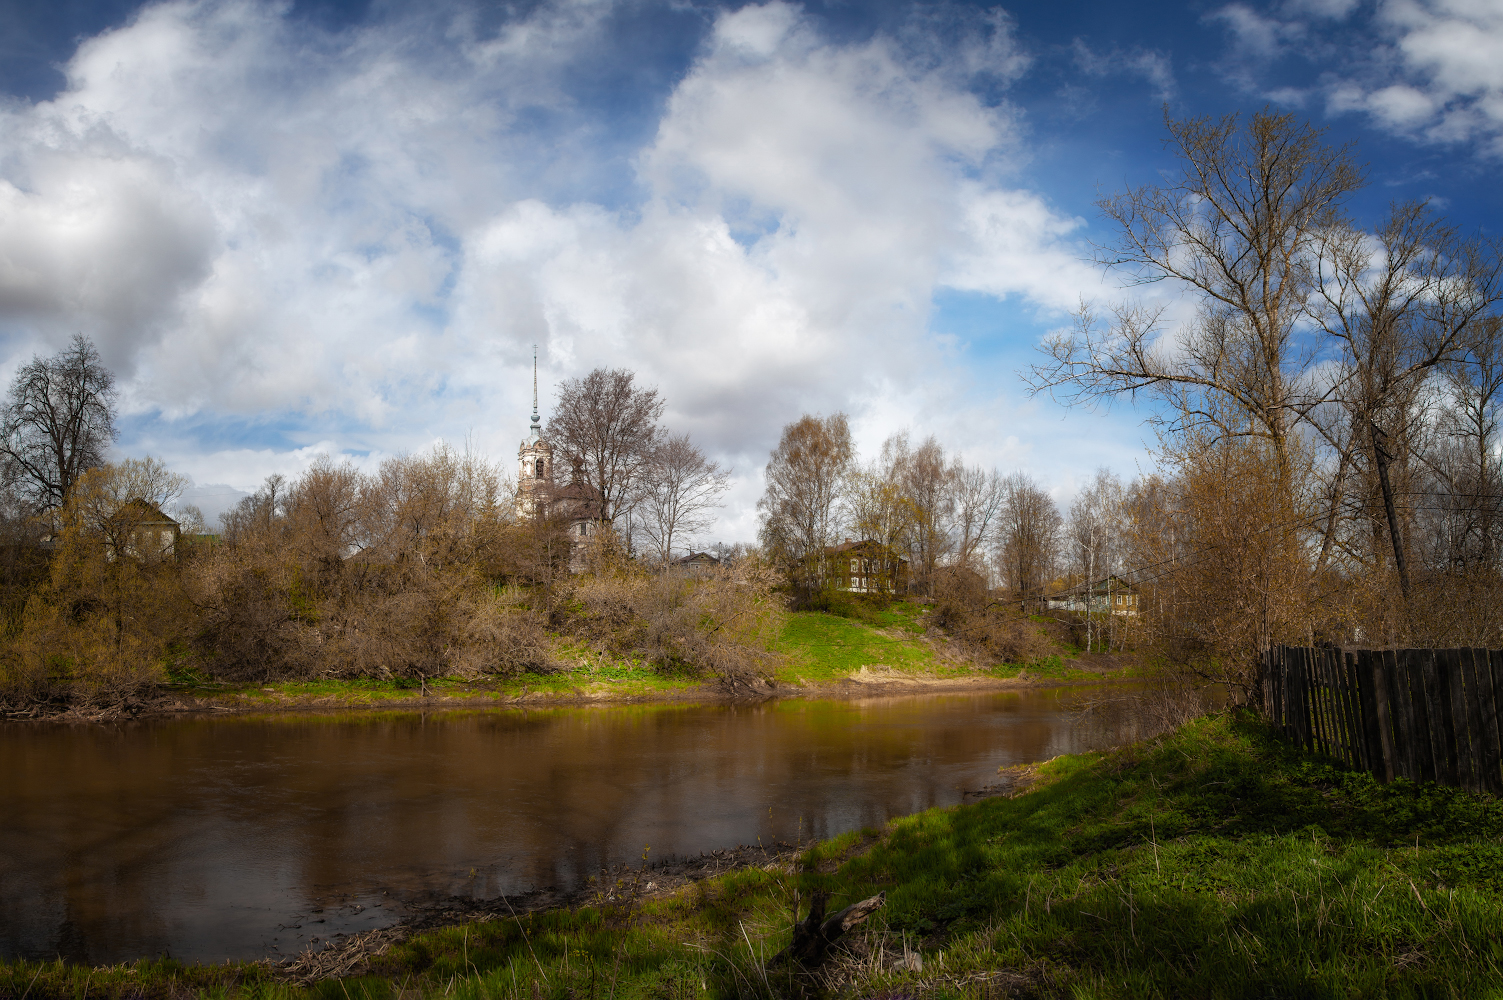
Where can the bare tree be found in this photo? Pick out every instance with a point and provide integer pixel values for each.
(877, 507)
(58, 423)
(1239, 227)
(1028, 537)
(606, 429)
(929, 482)
(979, 496)
(1400, 304)
(1092, 537)
(680, 492)
(1470, 477)
(112, 502)
(805, 476)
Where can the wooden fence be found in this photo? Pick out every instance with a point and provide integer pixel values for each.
(1423, 714)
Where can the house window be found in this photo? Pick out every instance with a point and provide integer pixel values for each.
(584, 529)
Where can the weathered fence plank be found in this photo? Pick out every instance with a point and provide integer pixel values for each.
(1467, 771)
(1345, 668)
(1492, 737)
(1424, 746)
(1472, 719)
(1421, 714)
(1437, 664)
(1395, 679)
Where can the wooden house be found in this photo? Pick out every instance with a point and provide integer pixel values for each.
(140, 530)
(866, 567)
(1109, 595)
(695, 564)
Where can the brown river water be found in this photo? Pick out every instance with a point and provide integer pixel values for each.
(207, 839)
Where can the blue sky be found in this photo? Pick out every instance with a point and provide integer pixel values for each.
(326, 227)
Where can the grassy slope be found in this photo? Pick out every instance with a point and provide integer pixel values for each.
(1212, 862)
(817, 648)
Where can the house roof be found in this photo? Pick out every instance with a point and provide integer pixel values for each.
(146, 512)
(1106, 585)
(696, 557)
(866, 543)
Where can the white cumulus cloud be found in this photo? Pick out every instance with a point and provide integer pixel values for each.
(355, 238)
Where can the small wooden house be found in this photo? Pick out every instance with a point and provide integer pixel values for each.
(1109, 595)
(140, 530)
(695, 564)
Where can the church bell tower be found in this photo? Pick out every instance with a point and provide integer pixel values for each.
(534, 458)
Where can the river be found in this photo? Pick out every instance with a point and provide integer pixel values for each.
(207, 839)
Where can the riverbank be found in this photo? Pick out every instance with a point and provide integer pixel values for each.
(819, 656)
(1212, 861)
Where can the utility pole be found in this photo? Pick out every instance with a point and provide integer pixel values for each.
(1384, 458)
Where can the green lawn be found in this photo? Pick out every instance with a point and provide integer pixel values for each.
(824, 647)
(1216, 861)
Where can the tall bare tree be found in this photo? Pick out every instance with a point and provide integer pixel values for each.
(805, 476)
(59, 421)
(606, 428)
(1239, 227)
(679, 493)
(1027, 537)
(929, 480)
(979, 496)
(1400, 304)
(1092, 536)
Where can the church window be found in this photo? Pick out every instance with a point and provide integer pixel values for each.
(540, 469)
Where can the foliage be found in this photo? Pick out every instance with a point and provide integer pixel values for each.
(99, 631)
(993, 632)
(799, 511)
(723, 624)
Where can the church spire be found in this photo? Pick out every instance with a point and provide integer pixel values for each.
(537, 421)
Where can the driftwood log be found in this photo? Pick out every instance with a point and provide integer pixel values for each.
(816, 934)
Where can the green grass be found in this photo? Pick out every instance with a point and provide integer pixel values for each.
(815, 647)
(1212, 862)
(824, 647)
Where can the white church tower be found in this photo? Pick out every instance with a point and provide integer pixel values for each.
(534, 458)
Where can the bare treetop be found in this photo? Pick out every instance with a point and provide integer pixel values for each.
(1240, 228)
(58, 423)
(805, 477)
(606, 428)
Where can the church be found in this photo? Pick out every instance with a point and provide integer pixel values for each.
(538, 494)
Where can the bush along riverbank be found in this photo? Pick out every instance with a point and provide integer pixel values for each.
(1214, 861)
(854, 648)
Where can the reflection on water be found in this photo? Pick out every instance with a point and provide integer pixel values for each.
(209, 839)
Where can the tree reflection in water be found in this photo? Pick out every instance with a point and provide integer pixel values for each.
(223, 838)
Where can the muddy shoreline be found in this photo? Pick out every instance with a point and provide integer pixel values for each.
(621, 886)
(866, 683)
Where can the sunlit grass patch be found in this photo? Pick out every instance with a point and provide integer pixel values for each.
(821, 647)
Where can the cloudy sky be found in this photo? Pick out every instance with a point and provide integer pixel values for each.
(295, 228)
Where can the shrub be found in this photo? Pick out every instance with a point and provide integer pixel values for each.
(965, 611)
(724, 624)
